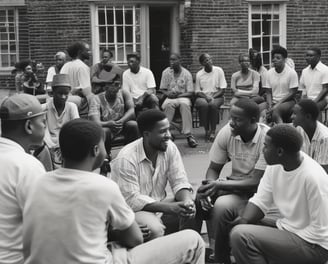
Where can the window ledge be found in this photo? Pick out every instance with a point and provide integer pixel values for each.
(6, 71)
(12, 3)
(266, 1)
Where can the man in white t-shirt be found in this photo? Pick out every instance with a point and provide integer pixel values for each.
(22, 128)
(209, 90)
(298, 186)
(281, 84)
(314, 78)
(140, 83)
(314, 133)
(70, 223)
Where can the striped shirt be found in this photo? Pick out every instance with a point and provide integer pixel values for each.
(141, 183)
(317, 148)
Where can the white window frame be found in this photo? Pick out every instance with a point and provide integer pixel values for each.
(16, 24)
(282, 24)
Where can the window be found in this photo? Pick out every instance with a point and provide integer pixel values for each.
(118, 29)
(267, 28)
(8, 37)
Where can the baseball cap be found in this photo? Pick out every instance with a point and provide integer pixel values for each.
(20, 107)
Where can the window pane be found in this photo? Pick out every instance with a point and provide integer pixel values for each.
(138, 34)
(119, 34)
(110, 16)
(5, 60)
(266, 58)
(3, 36)
(119, 17)
(129, 34)
(110, 35)
(2, 16)
(266, 44)
(129, 49)
(4, 47)
(102, 34)
(266, 27)
(101, 17)
(12, 47)
(120, 53)
(276, 17)
(276, 8)
(128, 17)
(275, 28)
(275, 41)
(256, 16)
(256, 28)
(256, 43)
(13, 59)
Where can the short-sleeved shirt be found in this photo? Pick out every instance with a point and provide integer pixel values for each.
(137, 83)
(245, 156)
(280, 83)
(69, 223)
(182, 83)
(52, 71)
(79, 75)
(317, 148)
(141, 183)
(301, 198)
(55, 122)
(210, 82)
(239, 81)
(312, 80)
(19, 171)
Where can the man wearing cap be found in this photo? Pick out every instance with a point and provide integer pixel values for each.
(104, 72)
(58, 112)
(22, 129)
(60, 59)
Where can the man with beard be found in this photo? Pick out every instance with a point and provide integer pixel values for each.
(104, 72)
(69, 224)
(218, 199)
(177, 87)
(314, 78)
(22, 129)
(113, 109)
(142, 170)
(79, 76)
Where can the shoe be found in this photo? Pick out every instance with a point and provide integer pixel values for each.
(192, 141)
(211, 138)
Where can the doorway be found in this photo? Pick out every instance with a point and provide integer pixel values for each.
(160, 40)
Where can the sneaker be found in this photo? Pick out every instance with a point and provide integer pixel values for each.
(191, 141)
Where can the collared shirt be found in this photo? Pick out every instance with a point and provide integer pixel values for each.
(312, 80)
(55, 122)
(280, 83)
(141, 183)
(245, 156)
(67, 215)
(181, 83)
(19, 171)
(137, 83)
(301, 198)
(210, 82)
(79, 75)
(317, 148)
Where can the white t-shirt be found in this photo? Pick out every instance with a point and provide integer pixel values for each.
(67, 215)
(280, 83)
(79, 75)
(210, 82)
(301, 196)
(137, 83)
(50, 75)
(312, 80)
(19, 171)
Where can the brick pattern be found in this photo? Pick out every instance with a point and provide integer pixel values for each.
(219, 27)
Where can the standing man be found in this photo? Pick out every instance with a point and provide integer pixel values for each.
(314, 78)
(298, 186)
(314, 133)
(219, 200)
(70, 223)
(22, 129)
(209, 89)
(104, 72)
(177, 87)
(60, 59)
(79, 76)
(281, 85)
(140, 83)
(142, 170)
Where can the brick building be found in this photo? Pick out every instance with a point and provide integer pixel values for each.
(37, 29)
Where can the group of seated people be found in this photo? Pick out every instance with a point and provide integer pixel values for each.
(270, 209)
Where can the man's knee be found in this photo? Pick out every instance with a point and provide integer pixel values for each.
(237, 235)
(191, 236)
(131, 125)
(224, 204)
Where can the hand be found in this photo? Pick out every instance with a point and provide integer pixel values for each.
(208, 188)
(206, 203)
(172, 95)
(138, 103)
(183, 209)
(209, 99)
(145, 232)
(118, 125)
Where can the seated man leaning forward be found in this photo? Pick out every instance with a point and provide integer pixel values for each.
(70, 223)
(140, 83)
(177, 87)
(142, 170)
(114, 111)
(314, 133)
(218, 199)
(298, 186)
